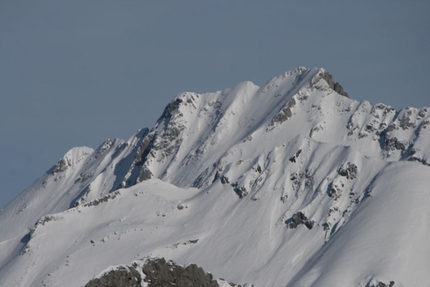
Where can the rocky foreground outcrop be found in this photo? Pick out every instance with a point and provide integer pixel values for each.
(157, 273)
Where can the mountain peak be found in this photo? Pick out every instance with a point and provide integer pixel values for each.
(194, 126)
(72, 157)
(328, 78)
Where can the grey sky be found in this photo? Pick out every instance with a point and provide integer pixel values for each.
(74, 73)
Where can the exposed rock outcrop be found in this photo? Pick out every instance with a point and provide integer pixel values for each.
(334, 85)
(157, 273)
(160, 272)
(121, 277)
(299, 218)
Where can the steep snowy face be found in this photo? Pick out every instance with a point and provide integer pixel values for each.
(198, 135)
(276, 185)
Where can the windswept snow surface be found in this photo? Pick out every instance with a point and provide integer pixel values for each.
(290, 184)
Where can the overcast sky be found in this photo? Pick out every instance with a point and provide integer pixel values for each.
(73, 73)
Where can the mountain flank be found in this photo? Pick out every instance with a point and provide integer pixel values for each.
(290, 184)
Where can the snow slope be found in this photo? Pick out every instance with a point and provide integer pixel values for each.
(290, 184)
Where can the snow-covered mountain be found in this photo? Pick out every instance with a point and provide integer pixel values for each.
(289, 184)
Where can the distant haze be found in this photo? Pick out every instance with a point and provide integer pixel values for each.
(73, 73)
